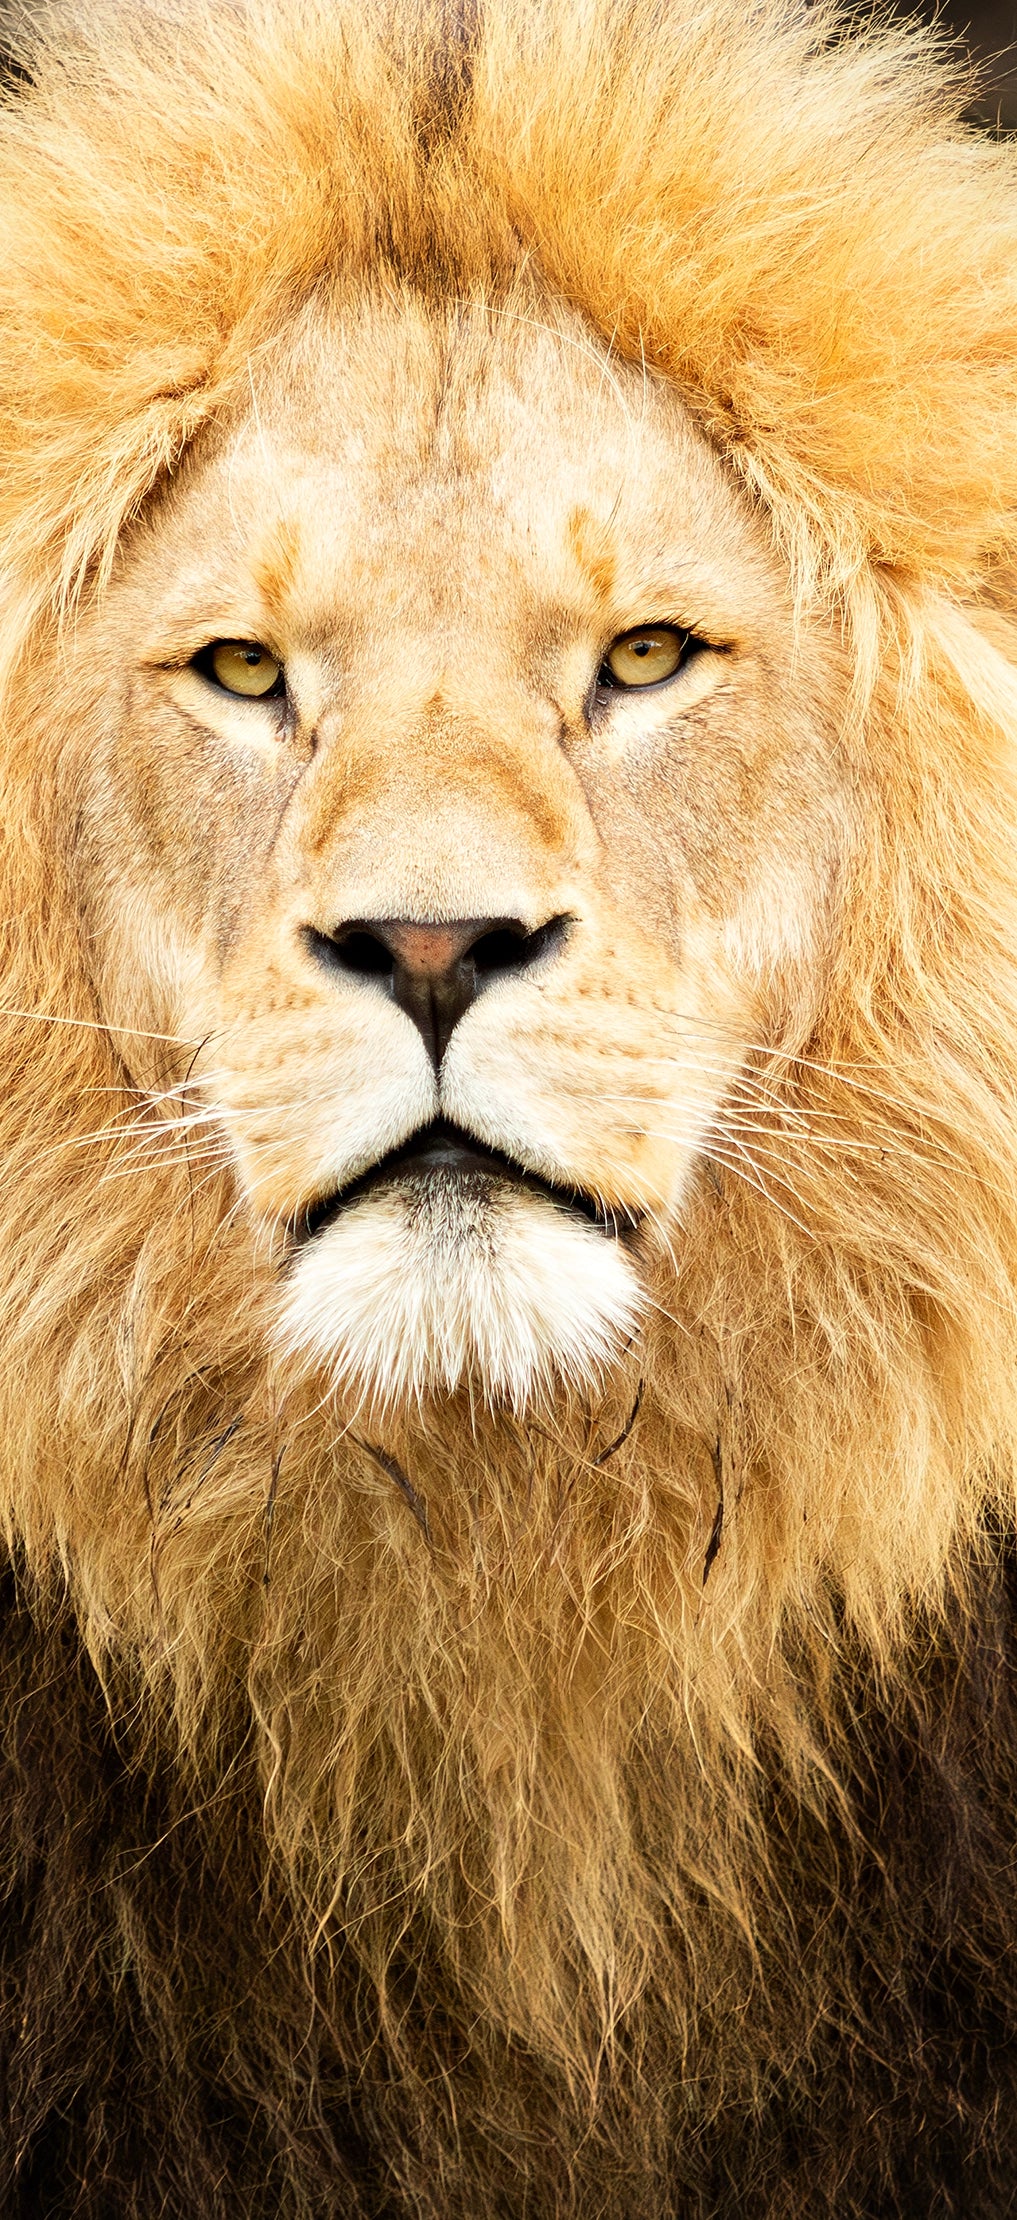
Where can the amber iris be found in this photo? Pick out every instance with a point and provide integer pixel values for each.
(645, 657)
(242, 667)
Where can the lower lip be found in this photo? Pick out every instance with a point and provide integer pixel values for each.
(448, 1152)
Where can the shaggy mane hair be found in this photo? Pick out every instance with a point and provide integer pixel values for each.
(635, 1835)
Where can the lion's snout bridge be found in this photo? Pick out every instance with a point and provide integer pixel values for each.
(435, 970)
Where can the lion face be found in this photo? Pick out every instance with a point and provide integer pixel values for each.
(466, 808)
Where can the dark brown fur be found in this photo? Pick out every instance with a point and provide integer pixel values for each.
(163, 2055)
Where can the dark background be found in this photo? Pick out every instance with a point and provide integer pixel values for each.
(990, 33)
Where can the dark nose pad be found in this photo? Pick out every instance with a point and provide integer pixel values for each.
(435, 971)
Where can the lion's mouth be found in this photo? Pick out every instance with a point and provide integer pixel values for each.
(443, 1149)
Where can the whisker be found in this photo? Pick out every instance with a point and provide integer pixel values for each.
(96, 1025)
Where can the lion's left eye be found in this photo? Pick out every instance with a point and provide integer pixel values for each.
(241, 667)
(645, 657)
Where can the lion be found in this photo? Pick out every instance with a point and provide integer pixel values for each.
(509, 1115)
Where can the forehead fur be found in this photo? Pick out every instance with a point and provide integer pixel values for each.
(838, 304)
(372, 445)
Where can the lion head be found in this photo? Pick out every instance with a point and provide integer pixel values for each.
(461, 928)
(509, 839)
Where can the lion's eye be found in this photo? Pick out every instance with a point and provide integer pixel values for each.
(241, 667)
(645, 657)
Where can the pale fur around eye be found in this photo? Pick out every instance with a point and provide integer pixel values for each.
(242, 667)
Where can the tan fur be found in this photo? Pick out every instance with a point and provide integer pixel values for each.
(437, 401)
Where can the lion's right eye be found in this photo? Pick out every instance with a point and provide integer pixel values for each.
(241, 667)
(646, 657)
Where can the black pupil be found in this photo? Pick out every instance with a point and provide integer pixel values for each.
(641, 647)
(252, 655)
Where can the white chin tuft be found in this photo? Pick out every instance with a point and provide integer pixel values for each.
(436, 1282)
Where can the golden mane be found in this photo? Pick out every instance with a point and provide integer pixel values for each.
(840, 316)
(826, 1445)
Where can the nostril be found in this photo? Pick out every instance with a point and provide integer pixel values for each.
(434, 969)
(503, 950)
(356, 951)
(365, 954)
(512, 948)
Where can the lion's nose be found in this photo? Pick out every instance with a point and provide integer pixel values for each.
(434, 970)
